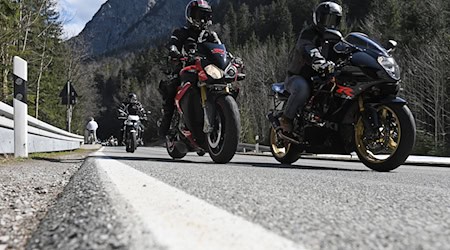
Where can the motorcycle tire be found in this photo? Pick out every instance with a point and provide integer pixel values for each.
(406, 139)
(176, 150)
(223, 142)
(131, 143)
(287, 155)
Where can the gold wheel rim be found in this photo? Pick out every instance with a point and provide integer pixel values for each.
(389, 142)
(279, 152)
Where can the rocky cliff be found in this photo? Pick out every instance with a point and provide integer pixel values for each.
(131, 24)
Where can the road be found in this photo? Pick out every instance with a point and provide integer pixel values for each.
(251, 203)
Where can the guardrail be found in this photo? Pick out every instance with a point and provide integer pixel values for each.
(42, 137)
(247, 147)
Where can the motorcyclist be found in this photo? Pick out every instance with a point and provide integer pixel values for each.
(133, 107)
(183, 41)
(307, 60)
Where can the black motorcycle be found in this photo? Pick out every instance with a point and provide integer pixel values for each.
(355, 108)
(208, 117)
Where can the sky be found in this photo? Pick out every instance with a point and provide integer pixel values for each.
(76, 13)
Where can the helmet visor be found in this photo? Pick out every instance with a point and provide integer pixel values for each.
(330, 21)
(201, 14)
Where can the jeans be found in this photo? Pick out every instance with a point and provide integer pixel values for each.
(300, 91)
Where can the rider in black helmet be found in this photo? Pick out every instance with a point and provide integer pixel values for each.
(133, 107)
(307, 60)
(198, 18)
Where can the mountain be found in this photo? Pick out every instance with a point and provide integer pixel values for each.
(131, 24)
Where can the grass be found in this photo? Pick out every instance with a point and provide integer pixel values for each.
(6, 159)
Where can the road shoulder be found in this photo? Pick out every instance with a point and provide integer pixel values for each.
(27, 188)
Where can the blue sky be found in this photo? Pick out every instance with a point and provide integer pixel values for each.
(76, 13)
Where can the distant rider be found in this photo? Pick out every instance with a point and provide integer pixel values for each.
(307, 61)
(133, 107)
(91, 128)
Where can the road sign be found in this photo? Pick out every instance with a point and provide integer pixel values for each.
(68, 95)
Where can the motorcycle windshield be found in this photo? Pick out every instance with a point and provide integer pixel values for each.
(215, 53)
(364, 42)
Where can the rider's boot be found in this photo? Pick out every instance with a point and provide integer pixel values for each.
(287, 130)
(286, 124)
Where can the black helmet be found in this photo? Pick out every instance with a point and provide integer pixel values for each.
(199, 14)
(132, 98)
(327, 16)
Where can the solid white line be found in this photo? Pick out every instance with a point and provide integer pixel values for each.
(181, 221)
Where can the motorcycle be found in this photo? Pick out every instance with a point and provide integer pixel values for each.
(207, 117)
(354, 108)
(132, 131)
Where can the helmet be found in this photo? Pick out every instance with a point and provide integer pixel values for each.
(132, 98)
(199, 14)
(327, 16)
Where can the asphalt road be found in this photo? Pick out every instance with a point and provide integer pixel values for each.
(309, 205)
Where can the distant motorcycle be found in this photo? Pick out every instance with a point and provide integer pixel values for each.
(208, 118)
(355, 108)
(132, 131)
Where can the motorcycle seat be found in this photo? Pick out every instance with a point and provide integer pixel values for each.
(280, 89)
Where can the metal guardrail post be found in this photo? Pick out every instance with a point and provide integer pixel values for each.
(20, 108)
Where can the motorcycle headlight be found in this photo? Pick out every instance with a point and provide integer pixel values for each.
(214, 72)
(390, 66)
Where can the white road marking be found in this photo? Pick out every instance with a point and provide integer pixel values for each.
(181, 221)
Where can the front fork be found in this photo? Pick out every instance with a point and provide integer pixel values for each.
(370, 118)
(207, 110)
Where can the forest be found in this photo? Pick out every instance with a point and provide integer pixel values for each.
(261, 32)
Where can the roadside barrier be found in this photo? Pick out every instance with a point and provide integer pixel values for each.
(42, 137)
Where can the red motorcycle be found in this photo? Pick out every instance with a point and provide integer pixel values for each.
(207, 117)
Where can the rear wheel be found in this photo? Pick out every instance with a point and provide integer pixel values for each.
(285, 152)
(394, 142)
(223, 141)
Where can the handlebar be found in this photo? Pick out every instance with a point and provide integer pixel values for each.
(328, 76)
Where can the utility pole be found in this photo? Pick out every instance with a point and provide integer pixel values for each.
(68, 97)
(69, 109)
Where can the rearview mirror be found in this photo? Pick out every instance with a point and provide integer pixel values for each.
(332, 35)
(392, 45)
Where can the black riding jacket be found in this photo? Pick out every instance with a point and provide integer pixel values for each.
(134, 108)
(307, 50)
(183, 39)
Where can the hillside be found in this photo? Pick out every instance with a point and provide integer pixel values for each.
(124, 25)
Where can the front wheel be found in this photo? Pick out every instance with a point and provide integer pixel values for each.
(131, 142)
(223, 141)
(283, 152)
(393, 142)
(176, 149)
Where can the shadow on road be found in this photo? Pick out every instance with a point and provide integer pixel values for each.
(296, 166)
(235, 164)
(130, 158)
